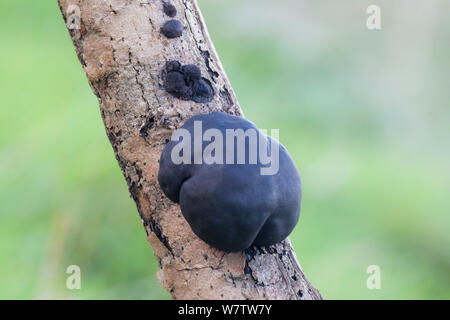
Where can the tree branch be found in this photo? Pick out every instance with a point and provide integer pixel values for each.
(123, 53)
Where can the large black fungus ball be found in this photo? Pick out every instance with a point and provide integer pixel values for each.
(172, 29)
(235, 200)
(186, 82)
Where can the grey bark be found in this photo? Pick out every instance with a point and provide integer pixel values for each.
(122, 51)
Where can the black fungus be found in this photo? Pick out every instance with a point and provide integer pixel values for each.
(172, 29)
(173, 66)
(169, 9)
(202, 91)
(176, 85)
(233, 206)
(186, 82)
(192, 72)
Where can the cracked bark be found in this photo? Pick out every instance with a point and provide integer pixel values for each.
(119, 45)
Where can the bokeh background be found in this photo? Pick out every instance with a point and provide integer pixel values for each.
(365, 114)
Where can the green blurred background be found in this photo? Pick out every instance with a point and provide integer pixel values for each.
(365, 114)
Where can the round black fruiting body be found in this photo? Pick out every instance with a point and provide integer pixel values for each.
(202, 91)
(172, 65)
(232, 206)
(169, 9)
(172, 29)
(176, 85)
(186, 82)
(192, 72)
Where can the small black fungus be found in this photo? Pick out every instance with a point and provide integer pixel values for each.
(176, 85)
(202, 91)
(192, 72)
(169, 9)
(172, 29)
(173, 66)
(232, 207)
(186, 82)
